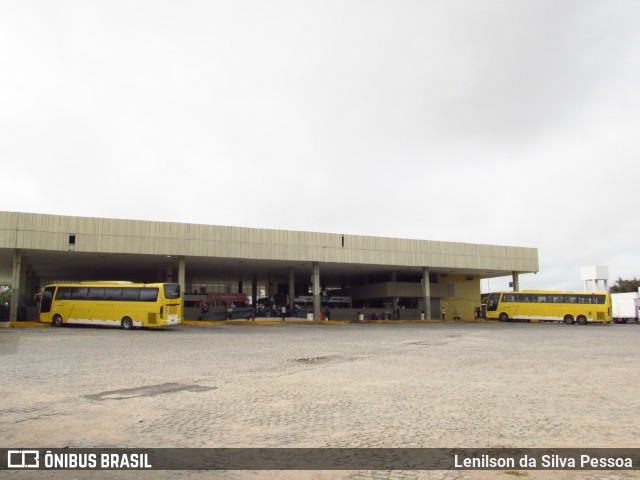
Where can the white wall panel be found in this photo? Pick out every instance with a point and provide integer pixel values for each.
(50, 232)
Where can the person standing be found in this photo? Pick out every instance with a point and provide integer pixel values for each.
(283, 310)
(443, 313)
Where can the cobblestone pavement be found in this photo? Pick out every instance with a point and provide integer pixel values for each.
(387, 385)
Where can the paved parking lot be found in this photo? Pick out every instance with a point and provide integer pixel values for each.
(375, 385)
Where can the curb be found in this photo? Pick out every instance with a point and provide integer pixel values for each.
(270, 322)
(321, 322)
(23, 324)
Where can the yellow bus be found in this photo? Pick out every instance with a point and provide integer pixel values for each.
(123, 304)
(567, 307)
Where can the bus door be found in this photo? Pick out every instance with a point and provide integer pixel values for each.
(46, 301)
(509, 305)
(492, 302)
(62, 296)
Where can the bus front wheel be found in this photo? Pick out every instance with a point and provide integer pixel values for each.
(503, 317)
(568, 319)
(582, 320)
(127, 323)
(57, 320)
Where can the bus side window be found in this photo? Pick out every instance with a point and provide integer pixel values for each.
(131, 294)
(63, 293)
(148, 294)
(79, 293)
(95, 293)
(112, 293)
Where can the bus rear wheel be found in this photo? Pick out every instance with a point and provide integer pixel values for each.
(57, 320)
(582, 320)
(127, 323)
(503, 317)
(568, 319)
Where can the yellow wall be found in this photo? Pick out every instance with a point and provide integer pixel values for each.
(466, 297)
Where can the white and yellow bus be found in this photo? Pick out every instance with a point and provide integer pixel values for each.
(123, 304)
(567, 307)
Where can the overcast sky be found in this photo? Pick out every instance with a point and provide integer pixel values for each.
(499, 121)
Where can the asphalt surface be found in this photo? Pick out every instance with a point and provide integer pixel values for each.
(316, 386)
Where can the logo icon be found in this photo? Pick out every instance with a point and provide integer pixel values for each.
(23, 459)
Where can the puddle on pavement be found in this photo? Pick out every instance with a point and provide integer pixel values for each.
(427, 343)
(148, 391)
(325, 359)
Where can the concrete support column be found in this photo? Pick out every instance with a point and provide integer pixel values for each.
(30, 288)
(254, 290)
(292, 287)
(24, 280)
(16, 286)
(170, 272)
(426, 293)
(182, 275)
(316, 291)
(395, 300)
(515, 281)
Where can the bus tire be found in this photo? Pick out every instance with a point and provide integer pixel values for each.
(503, 317)
(582, 320)
(57, 320)
(127, 323)
(568, 319)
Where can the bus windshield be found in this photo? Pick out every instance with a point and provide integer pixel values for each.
(492, 304)
(171, 290)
